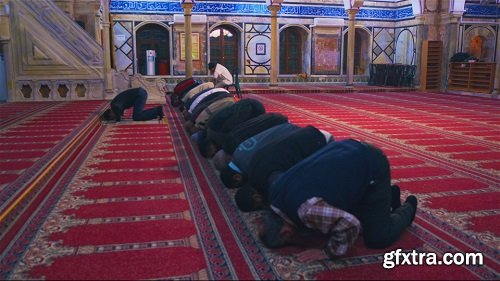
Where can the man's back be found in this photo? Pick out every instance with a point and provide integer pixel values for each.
(250, 128)
(339, 173)
(126, 98)
(244, 152)
(282, 153)
(221, 73)
(225, 120)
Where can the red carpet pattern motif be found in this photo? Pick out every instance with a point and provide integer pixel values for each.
(123, 215)
(137, 201)
(32, 131)
(39, 142)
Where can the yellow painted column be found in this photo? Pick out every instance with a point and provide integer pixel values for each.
(496, 88)
(449, 23)
(4, 21)
(188, 7)
(5, 48)
(106, 42)
(351, 31)
(97, 23)
(274, 44)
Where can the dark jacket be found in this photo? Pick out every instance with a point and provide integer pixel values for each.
(339, 173)
(126, 99)
(227, 119)
(243, 154)
(250, 128)
(282, 153)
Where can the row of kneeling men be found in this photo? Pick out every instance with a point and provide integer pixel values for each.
(307, 181)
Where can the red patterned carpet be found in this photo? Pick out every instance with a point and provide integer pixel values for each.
(136, 201)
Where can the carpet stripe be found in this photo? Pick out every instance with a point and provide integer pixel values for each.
(110, 265)
(450, 243)
(15, 112)
(185, 215)
(128, 236)
(129, 190)
(209, 215)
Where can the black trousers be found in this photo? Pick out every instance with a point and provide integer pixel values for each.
(139, 114)
(381, 227)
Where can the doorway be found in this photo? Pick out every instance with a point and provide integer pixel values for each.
(153, 37)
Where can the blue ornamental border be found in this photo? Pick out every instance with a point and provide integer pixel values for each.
(287, 10)
(258, 9)
(482, 11)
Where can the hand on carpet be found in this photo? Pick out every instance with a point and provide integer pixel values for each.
(311, 255)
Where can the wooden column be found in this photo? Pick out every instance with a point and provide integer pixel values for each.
(188, 7)
(351, 31)
(274, 44)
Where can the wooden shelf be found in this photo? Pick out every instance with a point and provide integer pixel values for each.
(431, 65)
(472, 77)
